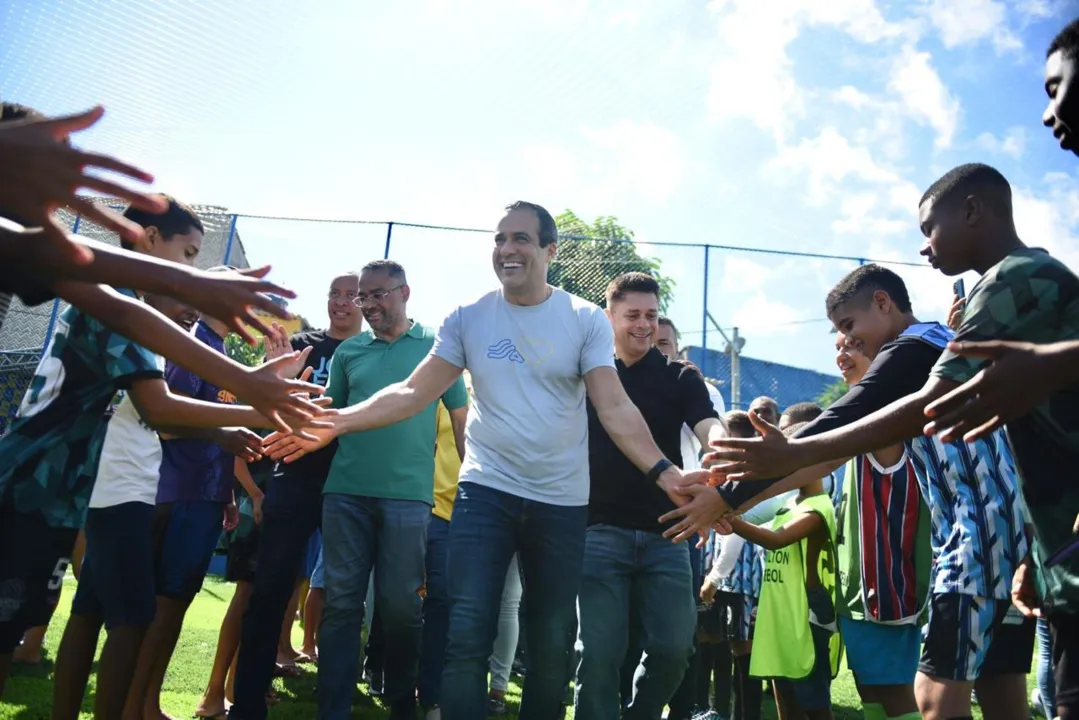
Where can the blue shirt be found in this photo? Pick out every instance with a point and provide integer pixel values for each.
(49, 456)
(196, 469)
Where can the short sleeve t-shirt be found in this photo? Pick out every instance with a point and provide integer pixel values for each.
(527, 431)
(196, 469)
(1030, 296)
(669, 396)
(130, 464)
(49, 457)
(396, 462)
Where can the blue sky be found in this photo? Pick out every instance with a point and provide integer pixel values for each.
(791, 125)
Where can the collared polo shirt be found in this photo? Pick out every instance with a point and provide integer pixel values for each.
(396, 462)
(668, 396)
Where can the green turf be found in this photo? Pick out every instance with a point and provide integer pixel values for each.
(29, 691)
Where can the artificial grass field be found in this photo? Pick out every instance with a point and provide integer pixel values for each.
(29, 691)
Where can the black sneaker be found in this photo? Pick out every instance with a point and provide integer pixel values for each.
(496, 706)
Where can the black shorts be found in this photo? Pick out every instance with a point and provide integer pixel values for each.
(33, 561)
(117, 579)
(243, 557)
(971, 637)
(1065, 631)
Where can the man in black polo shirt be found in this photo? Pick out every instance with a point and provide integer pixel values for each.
(626, 557)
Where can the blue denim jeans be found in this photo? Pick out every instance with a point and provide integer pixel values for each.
(1045, 681)
(436, 614)
(488, 527)
(391, 536)
(623, 567)
(292, 512)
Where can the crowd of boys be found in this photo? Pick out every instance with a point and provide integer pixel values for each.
(584, 448)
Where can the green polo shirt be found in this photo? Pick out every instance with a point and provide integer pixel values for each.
(395, 462)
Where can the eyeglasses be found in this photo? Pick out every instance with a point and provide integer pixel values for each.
(378, 295)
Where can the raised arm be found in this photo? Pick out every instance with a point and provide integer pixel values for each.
(796, 530)
(228, 297)
(394, 403)
(268, 388)
(627, 428)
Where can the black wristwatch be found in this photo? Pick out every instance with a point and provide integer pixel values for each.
(658, 469)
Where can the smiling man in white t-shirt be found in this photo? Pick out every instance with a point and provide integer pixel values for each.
(533, 351)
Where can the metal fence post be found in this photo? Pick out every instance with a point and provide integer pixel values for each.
(228, 243)
(389, 236)
(704, 318)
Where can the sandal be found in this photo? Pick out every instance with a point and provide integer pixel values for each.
(288, 671)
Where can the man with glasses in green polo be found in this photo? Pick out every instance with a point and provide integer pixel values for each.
(378, 500)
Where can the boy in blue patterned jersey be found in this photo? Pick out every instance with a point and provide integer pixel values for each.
(49, 457)
(978, 535)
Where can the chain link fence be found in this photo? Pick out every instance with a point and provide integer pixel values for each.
(26, 331)
(448, 266)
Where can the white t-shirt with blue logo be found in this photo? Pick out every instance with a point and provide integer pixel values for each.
(527, 430)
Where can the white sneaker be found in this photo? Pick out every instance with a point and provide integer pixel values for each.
(434, 714)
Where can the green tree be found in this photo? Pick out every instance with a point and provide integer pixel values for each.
(585, 266)
(241, 352)
(832, 393)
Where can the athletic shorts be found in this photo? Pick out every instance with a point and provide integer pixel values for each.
(814, 692)
(318, 580)
(970, 637)
(881, 654)
(117, 579)
(33, 561)
(737, 613)
(186, 535)
(1065, 631)
(243, 557)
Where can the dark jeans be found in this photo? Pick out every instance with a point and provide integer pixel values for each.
(291, 513)
(360, 533)
(624, 568)
(488, 527)
(684, 698)
(436, 613)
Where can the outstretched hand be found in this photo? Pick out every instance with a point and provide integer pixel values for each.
(288, 447)
(232, 297)
(41, 172)
(272, 391)
(705, 508)
(1018, 377)
(770, 455)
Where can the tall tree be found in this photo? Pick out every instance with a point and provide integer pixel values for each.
(591, 255)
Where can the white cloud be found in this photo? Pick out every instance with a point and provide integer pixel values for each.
(1011, 144)
(828, 160)
(753, 77)
(960, 22)
(924, 95)
(1049, 220)
(761, 315)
